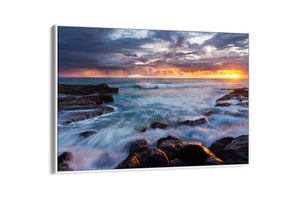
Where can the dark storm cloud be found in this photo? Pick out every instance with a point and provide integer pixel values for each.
(126, 49)
(225, 40)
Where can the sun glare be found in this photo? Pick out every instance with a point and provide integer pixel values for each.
(235, 76)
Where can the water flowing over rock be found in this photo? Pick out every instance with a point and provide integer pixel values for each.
(196, 122)
(160, 124)
(63, 161)
(86, 134)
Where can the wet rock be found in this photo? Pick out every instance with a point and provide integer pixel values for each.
(237, 155)
(238, 93)
(194, 153)
(223, 104)
(86, 134)
(131, 161)
(240, 141)
(83, 103)
(220, 144)
(85, 89)
(63, 161)
(146, 158)
(138, 145)
(154, 158)
(207, 112)
(245, 104)
(236, 152)
(104, 98)
(160, 125)
(74, 117)
(141, 129)
(170, 145)
(213, 161)
(196, 122)
(178, 162)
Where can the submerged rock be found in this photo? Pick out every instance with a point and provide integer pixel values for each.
(160, 125)
(86, 134)
(196, 122)
(63, 161)
(223, 104)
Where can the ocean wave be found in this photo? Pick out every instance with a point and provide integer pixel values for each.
(166, 86)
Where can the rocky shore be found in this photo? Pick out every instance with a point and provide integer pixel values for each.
(169, 151)
(82, 98)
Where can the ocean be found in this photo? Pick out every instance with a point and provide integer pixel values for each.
(142, 101)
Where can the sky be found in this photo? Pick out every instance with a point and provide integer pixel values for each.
(107, 52)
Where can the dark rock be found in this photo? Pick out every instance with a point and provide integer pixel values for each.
(83, 103)
(208, 112)
(85, 89)
(240, 141)
(236, 152)
(223, 104)
(196, 122)
(86, 134)
(243, 104)
(170, 145)
(138, 145)
(146, 158)
(194, 153)
(220, 144)
(104, 98)
(131, 161)
(238, 93)
(177, 162)
(73, 117)
(237, 155)
(154, 158)
(213, 161)
(63, 161)
(160, 124)
(141, 129)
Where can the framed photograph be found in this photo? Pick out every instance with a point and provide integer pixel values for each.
(135, 98)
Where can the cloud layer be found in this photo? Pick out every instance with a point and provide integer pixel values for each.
(89, 52)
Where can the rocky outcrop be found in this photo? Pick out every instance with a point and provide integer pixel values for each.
(63, 161)
(170, 151)
(160, 125)
(89, 100)
(85, 89)
(170, 145)
(239, 93)
(232, 152)
(138, 145)
(74, 117)
(195, 122)
(223, 104)
(220, 144)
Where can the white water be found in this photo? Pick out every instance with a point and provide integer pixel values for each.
(141, 102)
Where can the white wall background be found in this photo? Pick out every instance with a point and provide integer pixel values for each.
(274, 105)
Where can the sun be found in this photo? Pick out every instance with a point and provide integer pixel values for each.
(235, 76)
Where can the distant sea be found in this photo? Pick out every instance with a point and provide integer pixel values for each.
(142, 101)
